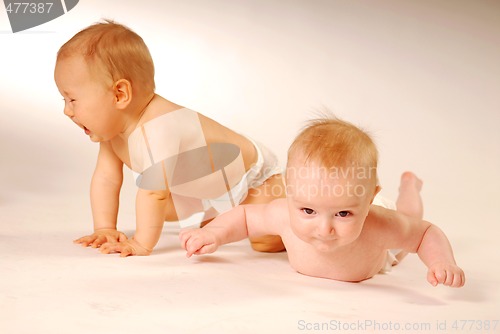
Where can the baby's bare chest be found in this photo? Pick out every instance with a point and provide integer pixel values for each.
(351, 265)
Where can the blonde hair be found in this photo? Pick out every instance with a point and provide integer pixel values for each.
(116, 50)
(334, 143)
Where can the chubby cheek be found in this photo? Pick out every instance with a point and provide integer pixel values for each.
(350, 233)
(302, 230)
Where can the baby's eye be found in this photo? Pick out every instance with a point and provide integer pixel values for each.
(308, 211)
(343, 214)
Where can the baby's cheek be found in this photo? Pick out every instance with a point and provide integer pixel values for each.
(301, 232)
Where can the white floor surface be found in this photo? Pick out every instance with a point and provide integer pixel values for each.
(423, 76)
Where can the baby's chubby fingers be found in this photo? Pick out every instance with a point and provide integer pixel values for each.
(99, 237)
(108, 248)
(196, 242)
(127, 247)
(88, 240)
(82, 241)
(123, 249)
(184, 236)
(455, 278)
(449, 275)
(98, 241)
(436, 277)
(126, 251)
(193, 245)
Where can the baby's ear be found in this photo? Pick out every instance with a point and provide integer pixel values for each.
(123, 93)
(377, 190)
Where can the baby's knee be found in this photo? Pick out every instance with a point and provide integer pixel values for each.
(268, 244)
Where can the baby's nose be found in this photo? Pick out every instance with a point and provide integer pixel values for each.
(326, 228)
(68, 112)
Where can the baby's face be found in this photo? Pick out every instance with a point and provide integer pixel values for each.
(327, 207)
(87, 101)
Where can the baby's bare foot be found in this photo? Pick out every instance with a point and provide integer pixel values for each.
(410, 181)
(409, 201)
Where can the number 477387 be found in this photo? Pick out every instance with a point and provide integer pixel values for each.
(29, 7)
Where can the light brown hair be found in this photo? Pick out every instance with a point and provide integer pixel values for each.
(334, 143)
(114, 50)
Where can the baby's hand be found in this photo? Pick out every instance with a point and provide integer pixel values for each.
(125, 248)
(446, 273)
(100, 237)
(198, 241)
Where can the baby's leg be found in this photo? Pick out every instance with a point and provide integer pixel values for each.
(272, 189)
(409, 200)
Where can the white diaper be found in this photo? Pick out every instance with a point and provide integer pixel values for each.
(265, 167)
(384, 202)
(390, 260)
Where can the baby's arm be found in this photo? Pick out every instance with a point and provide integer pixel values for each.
(234, 225)
(151, 209)
(228, 227)
(104, 197)
(436, 252)
(427, 240)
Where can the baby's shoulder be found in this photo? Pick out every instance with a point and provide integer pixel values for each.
(379, 213)
(179, 117)
(160, 108)
(278, 210)
(380, 219)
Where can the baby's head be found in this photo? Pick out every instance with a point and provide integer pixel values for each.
(331, 180)
(335, 147)
(113, 52)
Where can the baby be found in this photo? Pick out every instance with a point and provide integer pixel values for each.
(329, 222)
(188, 167)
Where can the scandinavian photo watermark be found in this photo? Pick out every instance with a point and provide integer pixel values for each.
(370, 325)
(28, 14)
(353, 181)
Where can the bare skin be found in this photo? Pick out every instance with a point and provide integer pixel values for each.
(325, 235)
(409, 200)
(108, 113)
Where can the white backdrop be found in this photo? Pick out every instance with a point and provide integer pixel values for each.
(423, 77)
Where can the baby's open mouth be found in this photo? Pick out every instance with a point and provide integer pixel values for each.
(87, 131)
